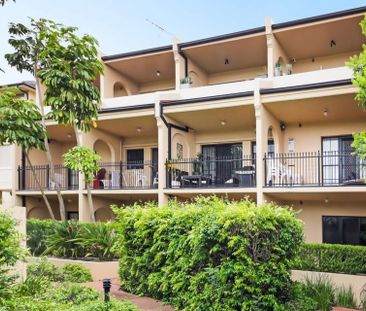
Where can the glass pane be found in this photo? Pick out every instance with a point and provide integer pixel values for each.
(332, 230)
(351, 230)
(362, 231)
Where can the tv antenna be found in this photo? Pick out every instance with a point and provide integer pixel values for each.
(160, 28)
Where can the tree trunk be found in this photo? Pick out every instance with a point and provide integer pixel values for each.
(90, 198)
(48, 152)
(40, 187)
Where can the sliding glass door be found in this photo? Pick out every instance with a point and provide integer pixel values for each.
(339, 163)
(220, 160)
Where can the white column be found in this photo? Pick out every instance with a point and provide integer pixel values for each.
(162, 155)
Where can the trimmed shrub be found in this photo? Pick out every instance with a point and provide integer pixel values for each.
(332, 258)
(76, 273)
(37, 232)
(211, 254)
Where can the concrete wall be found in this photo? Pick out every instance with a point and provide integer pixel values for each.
(99, 270)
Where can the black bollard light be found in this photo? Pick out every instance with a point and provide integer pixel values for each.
(107, 289)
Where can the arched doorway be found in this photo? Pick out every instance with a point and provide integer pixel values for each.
(102, 149)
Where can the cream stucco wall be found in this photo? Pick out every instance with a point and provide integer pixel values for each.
(322, 62)
(311, 212)
(308, 137)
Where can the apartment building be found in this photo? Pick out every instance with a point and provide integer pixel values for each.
(268, 113)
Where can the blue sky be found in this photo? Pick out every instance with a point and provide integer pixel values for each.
(121, 26)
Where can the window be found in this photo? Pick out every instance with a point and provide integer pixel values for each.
(271, 149)
(135, 159)
(73, 215)
(344, 230)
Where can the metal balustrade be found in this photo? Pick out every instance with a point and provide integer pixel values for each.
(211, 172)
(314, 169)
(126, 175)
(65, 178)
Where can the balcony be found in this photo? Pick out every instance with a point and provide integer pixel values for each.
(126, 175)
(64, 177)
(223, 172)
(314, 169)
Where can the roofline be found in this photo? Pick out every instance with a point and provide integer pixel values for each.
(231, 35)
(138, 52)
(19, 84)
(205, 99)
(305, 87)
(127, 108)
(319, 18)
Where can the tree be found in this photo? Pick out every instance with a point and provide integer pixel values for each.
(84, 160)
(2, 2)
(19, 124)
(358, 64)
(29, 44)
(72, 68)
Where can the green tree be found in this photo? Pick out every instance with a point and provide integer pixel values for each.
(358, 64)
(19, 124)
(10, 253)
(69, 77)
(84, 160)
(29, 44)
(2, 2)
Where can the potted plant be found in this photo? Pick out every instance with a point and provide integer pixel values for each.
(197, 164)
(277, 69)
(185, 83)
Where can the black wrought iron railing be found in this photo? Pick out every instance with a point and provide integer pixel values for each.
(126, 175)
(65, 178)
(211, 172)
(314, 169)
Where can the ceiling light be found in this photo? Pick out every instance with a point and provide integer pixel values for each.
(326, 201)
(158, 73)
(226, 61)
(282, 125)
(69, 135)
(332, 43)
(223, 122)
(325, 112)
(139, 129)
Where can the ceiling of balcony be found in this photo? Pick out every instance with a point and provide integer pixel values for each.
(146, 68)
(217, 120)
(339, 108)
(144, 126)
(314, 40)
(61, 133)
(241, 53)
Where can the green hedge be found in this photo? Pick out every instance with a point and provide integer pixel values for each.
(210, 254)
(332, 258)
(71, 239)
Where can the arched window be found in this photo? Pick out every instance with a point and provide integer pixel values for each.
(119, 90)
